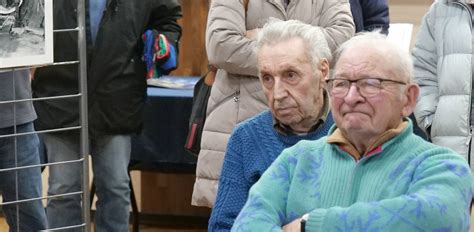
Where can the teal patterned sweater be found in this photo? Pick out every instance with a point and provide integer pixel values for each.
(408, 185)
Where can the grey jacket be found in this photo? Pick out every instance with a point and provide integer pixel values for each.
(443, 70)
(15, 85)
(236, 94)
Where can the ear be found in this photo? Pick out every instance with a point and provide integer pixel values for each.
(411, 94)
(324, 68)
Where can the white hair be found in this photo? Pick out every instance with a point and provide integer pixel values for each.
(400, 59)
(313, 38)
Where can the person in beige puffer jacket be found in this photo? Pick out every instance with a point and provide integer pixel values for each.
(236, 93)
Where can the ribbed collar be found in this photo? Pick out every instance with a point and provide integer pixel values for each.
(321, 131)
(338, 138)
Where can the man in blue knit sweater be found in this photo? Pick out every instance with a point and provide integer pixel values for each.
(371, 173)
(293, 62)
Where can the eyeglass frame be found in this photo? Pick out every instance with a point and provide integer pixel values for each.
(362, 93)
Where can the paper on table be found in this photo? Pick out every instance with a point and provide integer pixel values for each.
(174, 82)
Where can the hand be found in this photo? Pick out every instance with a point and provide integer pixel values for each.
(252, 34)
(32, 73)
(294, 226)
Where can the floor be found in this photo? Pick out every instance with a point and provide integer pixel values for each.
(147, 228)
(143, 228)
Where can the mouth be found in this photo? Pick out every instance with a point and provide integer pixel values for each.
(284, 111)
(354, 113)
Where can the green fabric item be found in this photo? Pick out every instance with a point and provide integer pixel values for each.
(410, 185)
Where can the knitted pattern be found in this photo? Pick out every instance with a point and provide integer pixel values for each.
(410, 185)
(253, 146)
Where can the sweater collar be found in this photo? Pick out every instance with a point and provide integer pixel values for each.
(338, 138)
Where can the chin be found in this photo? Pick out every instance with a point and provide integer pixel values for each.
(354, 126)
(353, 122)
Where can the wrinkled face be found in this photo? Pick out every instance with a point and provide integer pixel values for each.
(294, 91)
(367, 117)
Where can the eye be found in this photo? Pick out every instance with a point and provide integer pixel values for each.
(340, 83)
(267, 81)
(371, 83)
(291, 76)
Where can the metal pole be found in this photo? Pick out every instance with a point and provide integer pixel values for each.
(81, 6)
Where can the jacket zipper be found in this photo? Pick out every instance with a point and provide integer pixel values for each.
(236, 100)
(235, 96)
(354, 170)
(468, 139)
(353, 177)
(471, 128)
(110, 8)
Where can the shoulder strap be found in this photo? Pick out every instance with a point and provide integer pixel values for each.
(246, 4)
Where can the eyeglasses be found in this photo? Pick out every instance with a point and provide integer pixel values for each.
(367, 87)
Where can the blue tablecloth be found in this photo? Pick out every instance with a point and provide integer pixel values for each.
(164, 92)
(160, 145)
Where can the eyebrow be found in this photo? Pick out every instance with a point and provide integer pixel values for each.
(364, 76)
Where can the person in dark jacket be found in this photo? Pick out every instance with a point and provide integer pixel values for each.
(370, 15)
(116, 90)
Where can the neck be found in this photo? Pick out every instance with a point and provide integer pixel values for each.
(303, 128)
(361, 142)
(364, 143)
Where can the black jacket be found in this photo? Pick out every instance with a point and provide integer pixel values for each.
(115, 71)
(370, 14)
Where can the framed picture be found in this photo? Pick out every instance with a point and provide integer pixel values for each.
(26, 33)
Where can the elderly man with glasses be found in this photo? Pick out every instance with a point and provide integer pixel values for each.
(371, 173)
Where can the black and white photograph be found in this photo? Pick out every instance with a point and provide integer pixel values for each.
(25, 33)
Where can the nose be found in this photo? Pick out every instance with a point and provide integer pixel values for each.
(353, 96)
(279, 90)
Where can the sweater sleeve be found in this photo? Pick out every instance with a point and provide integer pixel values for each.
(233, 185)
(164, 20)
(336, 22)
(437, 200)
(226, 45)
(425, 72)
(266, 204)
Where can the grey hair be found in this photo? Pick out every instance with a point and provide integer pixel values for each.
(401, 60)
(313, 38)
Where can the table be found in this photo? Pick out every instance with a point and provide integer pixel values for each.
(160, 145)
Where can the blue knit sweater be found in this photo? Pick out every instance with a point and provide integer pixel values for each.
(408, 185)
(253, 146)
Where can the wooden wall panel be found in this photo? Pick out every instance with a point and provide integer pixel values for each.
(192, 58)
(169, 194)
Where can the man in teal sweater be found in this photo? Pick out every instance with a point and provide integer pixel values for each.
(371, 173)
(293, 82)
